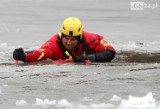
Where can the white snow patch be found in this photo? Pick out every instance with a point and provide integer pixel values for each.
(64, 103)
(115, 98)
(146, 102)
(44, 103)
(21, 103)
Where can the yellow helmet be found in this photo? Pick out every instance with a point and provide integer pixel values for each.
(71, 26)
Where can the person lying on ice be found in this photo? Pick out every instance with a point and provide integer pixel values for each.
(70, 43)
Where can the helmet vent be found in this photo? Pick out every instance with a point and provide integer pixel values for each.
(80, 28)
(71, 33)
(63, 27)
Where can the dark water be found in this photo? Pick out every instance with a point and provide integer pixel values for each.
(137, 57)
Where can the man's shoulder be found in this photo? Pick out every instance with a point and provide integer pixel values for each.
(54, 37)
(89, 35)
(52, 41)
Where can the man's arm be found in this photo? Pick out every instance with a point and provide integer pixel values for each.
(30, 56)
(105, 56)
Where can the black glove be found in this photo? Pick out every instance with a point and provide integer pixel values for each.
(82, 58)
(19, 54)
(92, 57)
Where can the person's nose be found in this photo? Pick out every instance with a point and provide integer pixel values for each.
(69, 42)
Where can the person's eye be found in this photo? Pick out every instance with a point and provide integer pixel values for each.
(67, 38)
(73, 39)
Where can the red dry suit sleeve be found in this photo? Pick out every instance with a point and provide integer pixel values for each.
(44, 52)
(37, 55)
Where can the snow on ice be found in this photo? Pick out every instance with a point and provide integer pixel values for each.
(146, 102)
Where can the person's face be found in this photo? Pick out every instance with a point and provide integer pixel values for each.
(69, 42)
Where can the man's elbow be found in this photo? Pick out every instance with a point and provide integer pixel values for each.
(105, 56)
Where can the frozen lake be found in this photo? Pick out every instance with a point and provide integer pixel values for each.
(131, 81)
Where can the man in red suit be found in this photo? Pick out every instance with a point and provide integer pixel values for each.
(70, 43)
